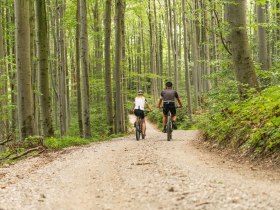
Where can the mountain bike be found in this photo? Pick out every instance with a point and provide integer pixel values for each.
(138, 129)
(169, 125)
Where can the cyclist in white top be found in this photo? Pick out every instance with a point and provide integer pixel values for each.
(139, 107)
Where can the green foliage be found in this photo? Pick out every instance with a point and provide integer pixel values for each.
(261, 2)
(156, 117)
(252, 125)
(222, 97)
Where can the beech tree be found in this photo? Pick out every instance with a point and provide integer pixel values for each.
(107, 61)
(78, 73)
(24, 85)
(262, 40)
(242, 61)
(85, 69)
(186, 60)
(42, 51)
(119, 4)
(3, 93)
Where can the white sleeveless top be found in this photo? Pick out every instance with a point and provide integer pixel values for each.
(140, 103)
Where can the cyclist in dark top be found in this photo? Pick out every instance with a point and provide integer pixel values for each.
(168, 97)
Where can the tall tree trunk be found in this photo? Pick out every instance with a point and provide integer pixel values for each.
(187, 73)
(198, 26)
(62, 93)
(175, 46)
(152, 52)
(10, 51)
(138, 59)
(78, 74)
(194, 50)
(161, 66)
(206, 44)
(97, 42)
(2, 79)
(144, 57)
(24, 99)
(243, 65)
(107, 72)
(168, 37)
(277, 31)
(42, 48)
(85, 69)
(124, 112)
(118, 64)
(67, 81)
(169, 7)
(34, 70)
(54, 63)
(157, 56)
(262, 41)
(214, 49)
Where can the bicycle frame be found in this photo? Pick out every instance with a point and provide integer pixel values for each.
(139, 128)
(169, 127)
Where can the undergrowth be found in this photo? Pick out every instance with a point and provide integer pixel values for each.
(252, 125)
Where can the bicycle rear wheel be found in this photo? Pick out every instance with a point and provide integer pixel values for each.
(137, 131)
(169, 128)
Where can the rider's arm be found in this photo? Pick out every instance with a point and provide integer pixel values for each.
(179, 102)
(148, 106)
(178, 99)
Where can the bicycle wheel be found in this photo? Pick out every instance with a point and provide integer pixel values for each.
(169, 128)
(137, 129)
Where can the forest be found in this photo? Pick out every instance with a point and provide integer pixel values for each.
(70, 69)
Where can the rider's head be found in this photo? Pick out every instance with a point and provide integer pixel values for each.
(168, 84)
(140, 92)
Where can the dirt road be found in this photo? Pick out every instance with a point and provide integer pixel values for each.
(129, 174)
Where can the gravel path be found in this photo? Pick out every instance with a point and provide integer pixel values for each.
(129, 174)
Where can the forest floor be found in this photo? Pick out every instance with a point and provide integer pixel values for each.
(146, 174)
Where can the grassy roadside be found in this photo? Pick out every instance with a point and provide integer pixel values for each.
(251, 126)
(35, 145)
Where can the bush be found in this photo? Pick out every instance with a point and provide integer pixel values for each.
(252, 125)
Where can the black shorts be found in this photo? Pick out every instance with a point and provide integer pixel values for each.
(169, 106)
(140, 113)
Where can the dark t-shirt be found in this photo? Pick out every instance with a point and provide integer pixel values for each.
(169, 95)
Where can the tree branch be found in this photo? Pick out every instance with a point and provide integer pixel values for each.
(221, 34)
(8, 139)
(27, 152)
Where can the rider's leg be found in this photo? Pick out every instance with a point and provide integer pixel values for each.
(173, 117)
(143, 126)
(164, 119)
(135, 113)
